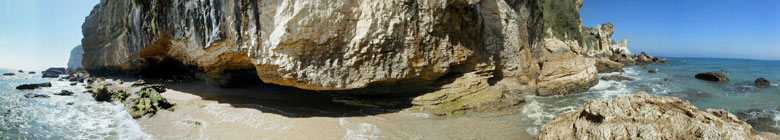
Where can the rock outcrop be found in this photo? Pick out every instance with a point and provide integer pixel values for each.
(762, 120)
(33, 86)
(616, 78)
(357, 46)
(605, 65)
(713, 76)
(75, 57)
(762, 82)
(53, 72)
(644, 116)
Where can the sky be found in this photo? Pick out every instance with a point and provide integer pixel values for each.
(37, 34)
(692, 28)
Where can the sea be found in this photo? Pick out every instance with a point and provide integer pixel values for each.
(53, 118)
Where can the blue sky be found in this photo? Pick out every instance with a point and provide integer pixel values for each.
(692, 28)
(36, 34)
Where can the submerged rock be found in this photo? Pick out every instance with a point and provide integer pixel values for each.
(21, 71)
(644, 116)
(745, 88)
(33, 86)
(762, 82)
(762, 120)
(33, 95)
(652, 71)
(690, 94)
(9, 74)
(64, 93)
(616, 78)
(712, 76)
(31, 72)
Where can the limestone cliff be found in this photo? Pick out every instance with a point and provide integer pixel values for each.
(74, 62)
(355, 45)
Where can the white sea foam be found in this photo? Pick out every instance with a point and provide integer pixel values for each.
(360, 131)
(533, 111)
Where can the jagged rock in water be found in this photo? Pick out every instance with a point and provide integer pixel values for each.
(64, 93)
(344, 45)
(762, 120)
(713, 76)
(53, 72)
(33, 86)
(616, 78)
(652, 71)
(33, 95)
(75, 57)
(762, 82)
(605, 65)
(101, 93)
(644, 116)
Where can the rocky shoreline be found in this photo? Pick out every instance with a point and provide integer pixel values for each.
(446, 58)
(644, 116)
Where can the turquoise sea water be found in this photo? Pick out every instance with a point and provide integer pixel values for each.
(52, 118)
(673, 79)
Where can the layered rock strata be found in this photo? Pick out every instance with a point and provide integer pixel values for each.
(366, 46)
(644, 116)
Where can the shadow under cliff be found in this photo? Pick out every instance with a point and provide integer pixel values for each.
(270, 98)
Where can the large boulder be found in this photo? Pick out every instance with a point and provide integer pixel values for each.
(712, 76)
(53, 72)
(605, 65)
(644, 116)
(147, 101)
(762, 82)
(566, 73)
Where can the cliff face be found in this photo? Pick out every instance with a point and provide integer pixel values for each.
(348, 45)
(74, 62)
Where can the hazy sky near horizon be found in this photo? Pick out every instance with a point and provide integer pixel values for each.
(36, 34)
(692, 28)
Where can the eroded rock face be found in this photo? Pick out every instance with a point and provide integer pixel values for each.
(349, 45)
(344, 45)
(644, 116)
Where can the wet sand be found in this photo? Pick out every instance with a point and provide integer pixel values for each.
(263, 111)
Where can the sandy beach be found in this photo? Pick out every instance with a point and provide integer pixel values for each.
(275, 112)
